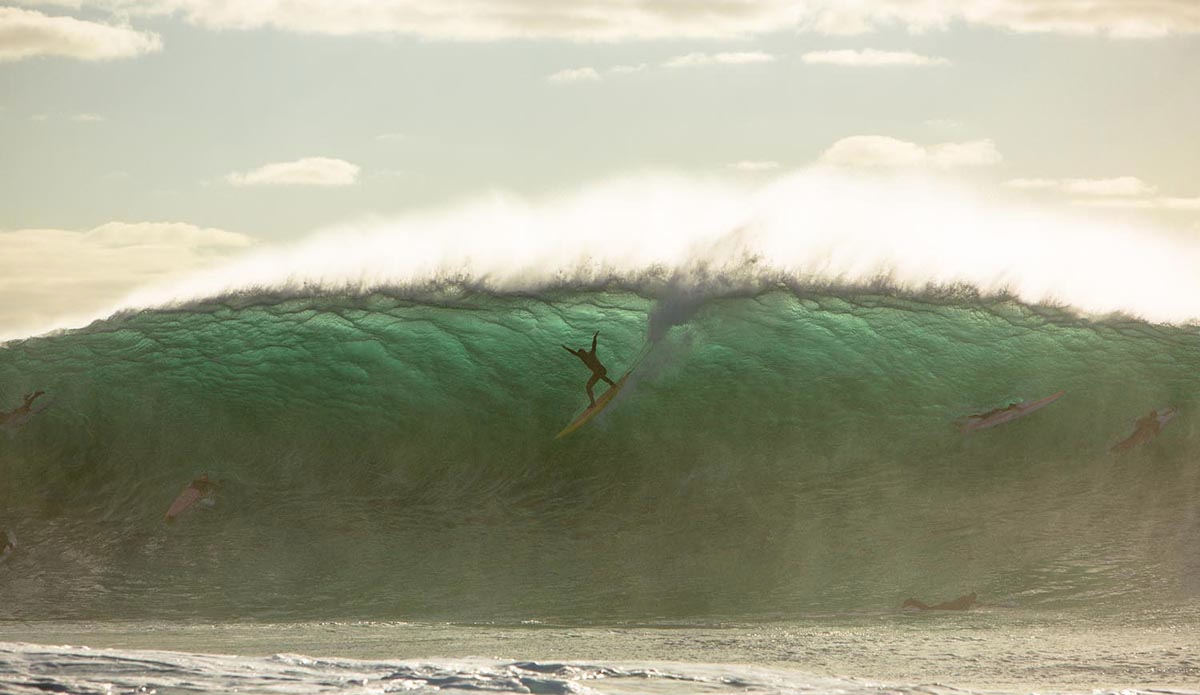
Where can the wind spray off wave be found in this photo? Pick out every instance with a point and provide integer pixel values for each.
(814, 227)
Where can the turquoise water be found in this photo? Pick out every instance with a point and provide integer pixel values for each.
(776, 454)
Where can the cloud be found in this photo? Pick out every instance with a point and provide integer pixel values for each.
(573, 75)
(1155, 203)
(87, 118)
(754, 166)
(391, 137)
(28, 33)
(1119, 186)
(52, 277)
(589, 74)
(484, 20)
(640, 20)
(872, 58)
(743, 58)
(1118, 18)
(877, 151)
(310, 171)
(1121, 192)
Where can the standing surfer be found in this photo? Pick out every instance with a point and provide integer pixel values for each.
(598, 370)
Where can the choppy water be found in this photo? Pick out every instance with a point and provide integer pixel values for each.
(992, 650)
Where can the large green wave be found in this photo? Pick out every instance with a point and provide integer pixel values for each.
(775, 453)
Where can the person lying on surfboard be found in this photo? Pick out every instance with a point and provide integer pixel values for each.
(22, 409)
(199, 489)
(996, 411)
(598, 370)
(962, 603)
(1144, 429)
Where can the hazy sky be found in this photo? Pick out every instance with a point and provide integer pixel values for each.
(141, 139)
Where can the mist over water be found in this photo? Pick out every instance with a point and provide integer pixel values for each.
(391, 456)
(811, 227)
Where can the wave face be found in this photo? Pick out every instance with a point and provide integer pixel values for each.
(776, 453)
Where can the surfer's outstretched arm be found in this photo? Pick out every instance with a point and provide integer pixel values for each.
(570, 350)
(597, 335)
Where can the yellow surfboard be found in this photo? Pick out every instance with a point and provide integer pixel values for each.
(592, 411)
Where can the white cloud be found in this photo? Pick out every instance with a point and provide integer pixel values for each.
(589, 74)
(870, 57)
(742, 58)
(485, 20)
(1119, 186)
(1119, 18)
(573, 75)
(28, 33)
(1155, 203)
(1121, 192)
(87, 118)
(53, 277)
(754, 166)
(310, 171)
(877, 151)
(621, 20)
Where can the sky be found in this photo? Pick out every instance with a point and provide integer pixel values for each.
(142, 141)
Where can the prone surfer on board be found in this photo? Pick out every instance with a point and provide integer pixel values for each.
(598, 370)
(199, 489)
(24, 409)
(1144, 429)
(996, 411)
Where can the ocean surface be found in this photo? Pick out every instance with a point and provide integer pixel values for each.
(783, 469)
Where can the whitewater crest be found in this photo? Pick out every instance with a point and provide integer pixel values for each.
(813, 227)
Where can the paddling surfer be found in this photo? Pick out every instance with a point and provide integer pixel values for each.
(1144, 429)
(1148, 426)
(593, 363)
(997, 411)
(23, 409)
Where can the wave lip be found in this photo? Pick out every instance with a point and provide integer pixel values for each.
(812, 227)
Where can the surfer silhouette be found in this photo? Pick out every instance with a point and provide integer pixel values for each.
(199, 490)
(996, 411)
(961, 603)
(23, 409)
(1149, 424)
(1144, 429)
(593, 363)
